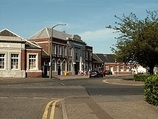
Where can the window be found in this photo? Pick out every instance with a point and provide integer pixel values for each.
(54, 49)
(90, 56)
(107, 67)
(127, 68)
(53, 65)
(70, 52)
(60, 50)
(65, 51)
(122, 68)
(32, 61)
(14, 61)
(76, 56)
(86, 55)
(2, 59)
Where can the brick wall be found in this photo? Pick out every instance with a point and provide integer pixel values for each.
(38, 72)
(42, 42)
(33, 74)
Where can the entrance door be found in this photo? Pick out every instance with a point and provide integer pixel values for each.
(76, 68)
(59, 70)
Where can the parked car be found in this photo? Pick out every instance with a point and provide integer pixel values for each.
(95, 73)
(108, 72)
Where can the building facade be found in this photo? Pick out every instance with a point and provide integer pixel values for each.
(18, 57)
(69, 52)
(108, 62)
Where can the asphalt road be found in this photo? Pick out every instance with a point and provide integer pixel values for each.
(28, 100)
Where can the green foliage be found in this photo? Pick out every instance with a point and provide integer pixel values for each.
(141, 77)
(138, 40)
(151, 90)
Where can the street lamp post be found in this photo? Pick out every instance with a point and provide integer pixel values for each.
(50, 43)
(116, 66)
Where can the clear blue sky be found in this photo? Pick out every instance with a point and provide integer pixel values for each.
(87, 18)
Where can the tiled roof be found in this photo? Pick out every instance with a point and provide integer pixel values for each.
(32, 46)
(96, 59)
(111, 57)
(47, 33)
(106, 57)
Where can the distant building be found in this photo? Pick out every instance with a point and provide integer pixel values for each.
(18, 57)
(108, 62)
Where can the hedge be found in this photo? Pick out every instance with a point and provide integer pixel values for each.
(151, 90)
(141, 77)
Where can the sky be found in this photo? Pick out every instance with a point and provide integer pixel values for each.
(86, 18)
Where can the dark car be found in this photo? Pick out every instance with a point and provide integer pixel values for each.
(95, 73)
(108, 72)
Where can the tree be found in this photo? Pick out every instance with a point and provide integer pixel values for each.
(138, 39)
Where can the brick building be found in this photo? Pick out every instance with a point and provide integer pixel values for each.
(108, 62)
(69, 52)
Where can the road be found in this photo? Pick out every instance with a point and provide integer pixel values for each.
(28, 100)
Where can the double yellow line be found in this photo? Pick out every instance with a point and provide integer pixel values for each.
(51, 104)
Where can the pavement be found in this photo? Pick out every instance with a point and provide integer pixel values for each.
(118, 80)
(108, 107)
(99, 107)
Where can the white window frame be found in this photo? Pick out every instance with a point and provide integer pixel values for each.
(65, 51)
(122, 68)
(4, 60)
(70, 52)
(127, 68)
(28, 60)
(107, 67)
(60, 50)
(16, 67)
(54, 49)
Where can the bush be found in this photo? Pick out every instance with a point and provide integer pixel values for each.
(141, 77)
(151, 90)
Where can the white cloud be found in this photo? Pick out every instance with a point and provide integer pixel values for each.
(98, 35)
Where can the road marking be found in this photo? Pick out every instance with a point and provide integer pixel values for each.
(53, 109)
(21, 97)
(35, 98)
(45, 114)
(3, 97)
(39, 98)
(51, 105)
(128, 84)
(62, 84)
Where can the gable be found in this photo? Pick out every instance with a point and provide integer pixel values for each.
(6, 32)
(7, 36)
